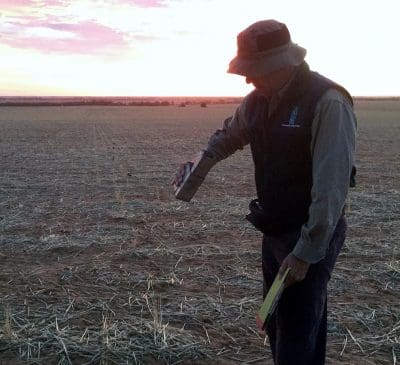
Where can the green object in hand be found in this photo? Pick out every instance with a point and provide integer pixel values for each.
(271, 300)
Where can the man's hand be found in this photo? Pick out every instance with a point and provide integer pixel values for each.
(298, 269)
(177, 180)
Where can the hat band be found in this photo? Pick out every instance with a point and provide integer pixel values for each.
(265, 42)
(268, 53)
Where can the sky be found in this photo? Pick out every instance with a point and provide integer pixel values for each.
(183, 47)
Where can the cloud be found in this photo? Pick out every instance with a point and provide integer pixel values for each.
(147, 3)
(48, 3)
(30, 3)
(66, 27)
(84, 37)
(15, 3)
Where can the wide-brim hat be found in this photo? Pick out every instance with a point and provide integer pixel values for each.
(264, 47)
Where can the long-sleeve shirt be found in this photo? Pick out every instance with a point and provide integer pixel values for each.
(332, 150)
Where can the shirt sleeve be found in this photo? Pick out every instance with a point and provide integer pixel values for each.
(332, 149)
(232, 137)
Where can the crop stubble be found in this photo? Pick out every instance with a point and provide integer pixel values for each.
(100, 264)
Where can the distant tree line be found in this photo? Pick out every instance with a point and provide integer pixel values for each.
(141, 101)
(117, 101)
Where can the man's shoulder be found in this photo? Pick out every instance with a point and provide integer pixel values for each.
(334, 103)
(254, 94)
(334, 94)
(251, 101)
(331, 90)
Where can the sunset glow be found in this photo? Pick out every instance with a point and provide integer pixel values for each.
(183, 47)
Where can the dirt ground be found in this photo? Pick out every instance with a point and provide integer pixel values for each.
(100, 264)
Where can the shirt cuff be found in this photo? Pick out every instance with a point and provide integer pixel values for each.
(307, 253)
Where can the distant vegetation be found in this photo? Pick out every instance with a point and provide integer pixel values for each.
(180, 101)
(116, 101)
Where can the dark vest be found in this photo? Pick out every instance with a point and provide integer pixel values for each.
(280, 146)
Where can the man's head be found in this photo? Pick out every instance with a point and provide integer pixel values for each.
(265, 50)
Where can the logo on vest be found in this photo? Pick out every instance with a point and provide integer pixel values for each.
(291, 123)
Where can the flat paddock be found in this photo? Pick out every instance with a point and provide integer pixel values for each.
(100, 264)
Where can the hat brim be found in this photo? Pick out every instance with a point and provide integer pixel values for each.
(263, 64)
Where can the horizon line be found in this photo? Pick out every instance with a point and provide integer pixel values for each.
(166, 96)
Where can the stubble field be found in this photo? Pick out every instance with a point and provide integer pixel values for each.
(101, 265)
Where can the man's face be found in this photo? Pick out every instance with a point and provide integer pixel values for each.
(270, 84)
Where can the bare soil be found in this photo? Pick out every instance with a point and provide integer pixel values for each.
(101, 265)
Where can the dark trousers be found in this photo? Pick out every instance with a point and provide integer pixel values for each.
(297, 329)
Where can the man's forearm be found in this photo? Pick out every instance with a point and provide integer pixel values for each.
(232, 137)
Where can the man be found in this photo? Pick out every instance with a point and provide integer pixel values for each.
(301, 129)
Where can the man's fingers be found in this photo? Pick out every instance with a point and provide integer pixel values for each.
(176, 180)
(180, 174)
(298, 268)
(289, 281)
(293, 277)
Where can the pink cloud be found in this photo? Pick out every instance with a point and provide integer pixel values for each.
(54, 2)
(27, 27)
(40, 3)
(147, 3)
(14, 3)
(83, 37)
